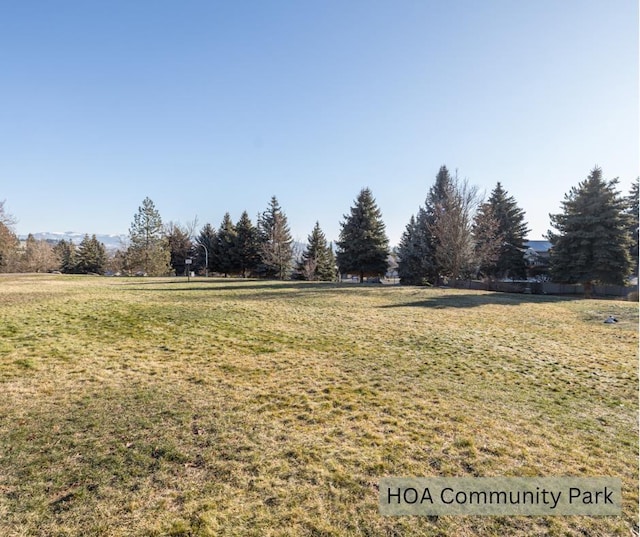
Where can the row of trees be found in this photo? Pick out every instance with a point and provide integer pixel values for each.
(89, 257)
(454, 234)
(41, 256)
(241, 248)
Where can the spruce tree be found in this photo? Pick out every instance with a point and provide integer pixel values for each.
(91, 256)
(247, 245)
(148, 250)
(438, 198)
(180, 247)
(632, 212)
(592, 240)
(363, 246)
(332, 263)
(410, 255)
(317, 262)
(207, 240)
(276, 244)
(488, 241)
(225, 253)
(513, 228)
(66, 253)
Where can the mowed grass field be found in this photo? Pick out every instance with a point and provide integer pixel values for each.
(224, 407)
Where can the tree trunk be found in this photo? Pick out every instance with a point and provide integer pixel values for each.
(588, 288)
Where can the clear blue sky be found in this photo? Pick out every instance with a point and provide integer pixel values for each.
(209, 106)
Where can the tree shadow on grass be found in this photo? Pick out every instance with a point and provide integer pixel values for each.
(266, 288)
(468, 300)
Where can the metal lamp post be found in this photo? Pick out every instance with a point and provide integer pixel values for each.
(206, 260)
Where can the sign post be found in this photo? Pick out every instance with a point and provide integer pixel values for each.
(188, 262)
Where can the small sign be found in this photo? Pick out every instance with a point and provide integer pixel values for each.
(504, 496)
(187, 261)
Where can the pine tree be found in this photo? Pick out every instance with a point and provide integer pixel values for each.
(363, 247)
(427, 223)
(207, 244)
(225, 253)
(632, 212)
(488, 240)
(513, 227)
(91, 256)
(592, 240)
(66, 254)
(275, 242)
(148, 251)
(332, 263)
(247, 245)
(317, 262)
(410, 255)
(180, 247)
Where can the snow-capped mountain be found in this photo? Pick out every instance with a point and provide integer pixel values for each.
(111, 242)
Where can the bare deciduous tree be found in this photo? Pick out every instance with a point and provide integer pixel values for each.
(452, 228)
(9, 243)
(38, 256)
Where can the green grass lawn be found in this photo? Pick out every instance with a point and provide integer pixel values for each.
(226, 407)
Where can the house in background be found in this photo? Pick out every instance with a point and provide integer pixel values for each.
(536, 256)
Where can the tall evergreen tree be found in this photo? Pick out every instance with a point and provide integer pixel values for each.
(438, 198)
(592, 241)
(632, 212)
(276, 244)
(247, 245)
(363, 246)
(91, 256)
(488, 240)
(180, 247)
(410, 255)
(148, 250)
(333, 263)
(207, 245)
(317, 262)
(225, 252)
(66, 253)
(513, 228)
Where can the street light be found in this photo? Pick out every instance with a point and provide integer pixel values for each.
(206, 259)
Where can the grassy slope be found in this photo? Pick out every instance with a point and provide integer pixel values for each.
(153, 407)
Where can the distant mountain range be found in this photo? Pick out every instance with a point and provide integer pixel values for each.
(111, 242)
